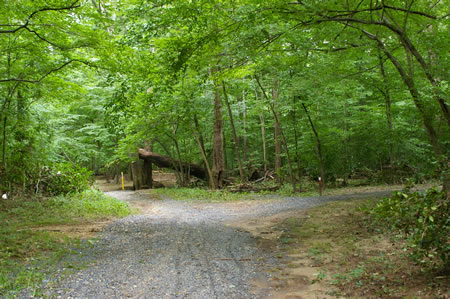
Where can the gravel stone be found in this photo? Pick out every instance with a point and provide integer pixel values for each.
(181, 250)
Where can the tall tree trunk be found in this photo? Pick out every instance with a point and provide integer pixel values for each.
(263, 134)
(319, 147)
(387, 98)
(233, 129)
(297, 155)
(244, 125)
(183, 173)
(410, 48)
(201, 143)
(277, 133)
(205, 159)
(283, 138)
(5, 122)
(218, 169)
(346, 154)
(409, 82)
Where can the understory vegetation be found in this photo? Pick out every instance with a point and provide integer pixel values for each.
(243, 90)
(28, 254)
(423, 218)
(352, 256)
(271, 95)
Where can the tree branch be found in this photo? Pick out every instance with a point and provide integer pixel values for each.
(25, 25)
(45, 75)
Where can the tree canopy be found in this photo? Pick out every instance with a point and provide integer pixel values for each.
(306, 89)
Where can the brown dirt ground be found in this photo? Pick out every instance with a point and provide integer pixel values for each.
(316, 228)
(294, 279)
(328, 252)
(85, 230)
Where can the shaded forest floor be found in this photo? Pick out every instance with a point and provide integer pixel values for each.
(330, 251)
(295, 247)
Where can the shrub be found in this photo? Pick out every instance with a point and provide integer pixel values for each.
(422, 217)
(64, 178)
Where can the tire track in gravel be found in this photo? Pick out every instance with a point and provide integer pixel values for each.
(180, 250)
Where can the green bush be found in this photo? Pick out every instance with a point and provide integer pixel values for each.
(64, 178)
(422, 217)
(28, 255)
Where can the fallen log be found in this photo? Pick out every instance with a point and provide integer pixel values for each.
(166, 162)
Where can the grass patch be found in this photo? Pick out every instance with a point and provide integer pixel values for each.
(26, 253)
(199, 194)
(207, 195)
(359, 261)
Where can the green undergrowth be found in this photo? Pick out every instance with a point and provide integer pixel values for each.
(26, 254)
(286, 190)
(358, 258)
(208, 195)
(199, 194)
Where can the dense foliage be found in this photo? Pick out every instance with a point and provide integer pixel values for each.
(64, 179)
(310, 88)
(422, 217)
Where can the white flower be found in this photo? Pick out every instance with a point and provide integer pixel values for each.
(5, 196)
(58, 173)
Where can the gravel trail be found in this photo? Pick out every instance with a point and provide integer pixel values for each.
(180, 249)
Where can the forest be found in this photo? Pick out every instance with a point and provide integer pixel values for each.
(235, 95)
(239, 87)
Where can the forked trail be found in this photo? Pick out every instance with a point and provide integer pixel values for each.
(178, 249)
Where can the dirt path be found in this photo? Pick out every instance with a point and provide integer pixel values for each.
(177, 249)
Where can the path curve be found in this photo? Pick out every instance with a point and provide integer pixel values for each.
(180, 249)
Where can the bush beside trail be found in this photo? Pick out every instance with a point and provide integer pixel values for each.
(423, 218)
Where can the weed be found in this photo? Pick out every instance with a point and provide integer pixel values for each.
(321, 275)
(357, 259)
(27, 254)
(358, 272)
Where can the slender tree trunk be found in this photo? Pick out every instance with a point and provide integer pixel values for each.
(183, 173)
(277, 133)
(233, 130)
(205, 159)
(297, 155)
(387, 98)
(244, 125)
(5, 122)
(409, 46)
(201, 143)
(218, 169)
(263, 134)
(409, 82)
(347, 158)
(284, 142)
(319, 147)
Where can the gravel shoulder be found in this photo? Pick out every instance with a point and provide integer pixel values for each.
(179, 249)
